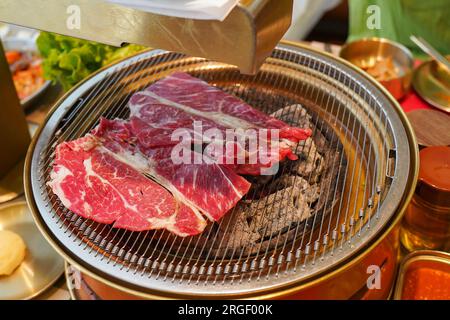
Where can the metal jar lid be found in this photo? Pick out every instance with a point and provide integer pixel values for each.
(434, 175)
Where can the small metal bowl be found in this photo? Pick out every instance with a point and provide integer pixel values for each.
(365, 53)
(432, 82)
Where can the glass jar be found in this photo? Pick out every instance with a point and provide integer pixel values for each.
(426, 224)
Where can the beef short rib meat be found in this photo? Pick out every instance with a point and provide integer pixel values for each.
(124, 172)
(211, 189)
(196, 96)
(180, 99)
(93, 183)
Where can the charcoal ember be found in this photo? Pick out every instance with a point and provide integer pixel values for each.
(300, 186)
(310, 164)
(329, 184)
(234, 235)
(322, 143)
(279, 210)
(297, 115)
(258, 188)
(294, 115)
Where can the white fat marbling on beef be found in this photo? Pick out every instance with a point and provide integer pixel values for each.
(217, 117)
(92, 174)
(56, 179)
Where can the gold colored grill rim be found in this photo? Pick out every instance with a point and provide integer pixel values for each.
(302, 51)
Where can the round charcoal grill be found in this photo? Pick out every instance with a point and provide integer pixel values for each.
(369, 172)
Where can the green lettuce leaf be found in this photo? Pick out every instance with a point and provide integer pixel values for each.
(68, 60)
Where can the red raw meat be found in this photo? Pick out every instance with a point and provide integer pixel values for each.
(159, 121)
(210, 188)
(104, 176)
(92, 182)
(180, 99)
(213, 103)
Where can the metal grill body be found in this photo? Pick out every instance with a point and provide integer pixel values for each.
(367, 145)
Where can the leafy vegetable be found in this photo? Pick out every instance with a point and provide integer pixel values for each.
(68, 60)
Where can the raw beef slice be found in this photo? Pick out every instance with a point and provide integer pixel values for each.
(180, 99)
(210, 188)
(93, 183)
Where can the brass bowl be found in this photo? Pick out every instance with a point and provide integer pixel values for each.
(365, 53)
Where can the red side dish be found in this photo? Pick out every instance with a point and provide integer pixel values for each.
(27, 72)
(426, 284)
(13, 56)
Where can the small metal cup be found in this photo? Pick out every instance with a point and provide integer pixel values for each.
(365, 53)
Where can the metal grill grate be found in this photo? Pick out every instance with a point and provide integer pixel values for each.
(362, 142)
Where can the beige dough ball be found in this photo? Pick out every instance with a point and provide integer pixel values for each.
(12, 252)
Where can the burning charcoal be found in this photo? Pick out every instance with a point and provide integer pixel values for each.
(310, 164)
(258, 188)
(279, 210)
(294, 115)
(311, 192)
(322, 144)
(234, 233)
(282, 203)
(300, 186)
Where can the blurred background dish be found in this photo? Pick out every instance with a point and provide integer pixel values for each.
(26, 68)
(388, 62)
(42, 265)
(424, 275)
(432, 82)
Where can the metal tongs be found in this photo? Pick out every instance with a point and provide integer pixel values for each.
(432, 52)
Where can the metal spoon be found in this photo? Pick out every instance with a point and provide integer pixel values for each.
(428, 49)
